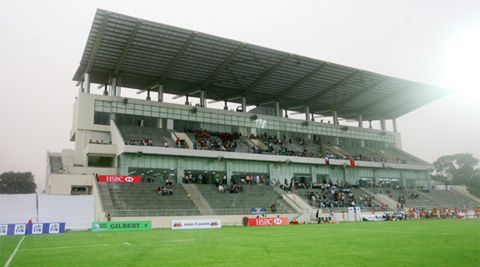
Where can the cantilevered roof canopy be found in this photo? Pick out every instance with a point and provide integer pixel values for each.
(142, 54)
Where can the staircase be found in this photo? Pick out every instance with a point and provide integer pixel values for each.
(200, 202)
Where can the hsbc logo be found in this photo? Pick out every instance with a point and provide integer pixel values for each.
(277, 221)
(119, 179)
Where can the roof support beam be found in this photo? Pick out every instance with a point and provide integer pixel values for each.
(299, 82)
(265, 74)
(222, 66)
(333, 87)
(376, 103)
(98, 42)
(362, 92)
(126, 48)
(178, 56)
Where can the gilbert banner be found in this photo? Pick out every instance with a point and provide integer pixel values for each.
(267, 221)
(119, 179)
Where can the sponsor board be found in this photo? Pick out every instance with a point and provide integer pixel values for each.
(37, 229)
(121, 226)
(196, 224)
(32, 228)
(119, 179)
(267, 221)
(20, 229)
(3, 229)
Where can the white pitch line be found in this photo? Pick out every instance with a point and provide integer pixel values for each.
(13, 253)
(67, 247)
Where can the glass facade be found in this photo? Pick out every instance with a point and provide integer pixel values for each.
(237, 119)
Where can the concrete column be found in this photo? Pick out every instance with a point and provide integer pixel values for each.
(160, 93)
(203, 104)
(228, 167)
(105, 89)
(114, 86)
(277, 109)
(307, 113)
(335, 117)
(225, 106)
(286, 113)
(370, 124)
(360, 121)
(394, 122)
(148, 95)
(383, 124)
(244, 104)
(86, 80)
(186, 100)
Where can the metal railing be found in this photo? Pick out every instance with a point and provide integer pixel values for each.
(186, 212)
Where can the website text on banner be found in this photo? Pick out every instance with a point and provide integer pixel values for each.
(121, 226)
(268, 221)
(196, 224)
(119, 179)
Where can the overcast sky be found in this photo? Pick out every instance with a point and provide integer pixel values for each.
(434, 42)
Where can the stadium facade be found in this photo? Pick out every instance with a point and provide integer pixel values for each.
(117, 135)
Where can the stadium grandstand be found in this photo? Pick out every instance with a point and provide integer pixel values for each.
(248, 157)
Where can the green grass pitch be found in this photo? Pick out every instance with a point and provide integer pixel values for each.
(407, 243)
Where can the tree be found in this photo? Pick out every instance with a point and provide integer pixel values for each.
(17, 183)
(460, 169)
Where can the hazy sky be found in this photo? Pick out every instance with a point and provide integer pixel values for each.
(434, 42)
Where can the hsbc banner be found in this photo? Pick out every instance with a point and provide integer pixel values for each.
(196, 224)
(32, 229)
(268, 221)
(119, 179)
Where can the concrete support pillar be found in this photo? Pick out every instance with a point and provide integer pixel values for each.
(370, 124)
(244, 104)
(313, 117)
(360, 121)
(394, 123)
(307, 113)
(114, 87)
(229, 172)
(87, 83)
(383, 124)
(160, 93)
(335, 117)
(203, 104)
(105, 89)
(186, 101)
(225, 105)
(286, 113)
(277, 109)
(148, 95)
(179, 171)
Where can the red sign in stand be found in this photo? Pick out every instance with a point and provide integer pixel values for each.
(266, 221)
(119, 179)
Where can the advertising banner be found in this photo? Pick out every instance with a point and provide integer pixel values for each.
(196, 224)
(268, 221)
(121, 226)
(32, 229)
(119, 179)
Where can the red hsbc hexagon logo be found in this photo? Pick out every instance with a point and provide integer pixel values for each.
(129, 179)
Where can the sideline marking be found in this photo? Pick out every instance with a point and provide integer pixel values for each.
(14, 252)
(66, 247)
